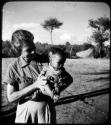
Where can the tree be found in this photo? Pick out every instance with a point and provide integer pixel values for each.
(101, 32)
(51, 24)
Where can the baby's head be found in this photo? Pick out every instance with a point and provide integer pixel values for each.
(57, 58)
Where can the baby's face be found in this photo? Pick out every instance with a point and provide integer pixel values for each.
(56, 62)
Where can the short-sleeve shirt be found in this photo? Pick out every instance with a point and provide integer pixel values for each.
(22, 74)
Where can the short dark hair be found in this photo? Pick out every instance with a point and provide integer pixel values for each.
(23, 36)
(59, 51)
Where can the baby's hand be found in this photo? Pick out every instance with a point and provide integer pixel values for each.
(42, 80)
(55, 98)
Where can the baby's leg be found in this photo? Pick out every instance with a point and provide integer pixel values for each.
(56, 97)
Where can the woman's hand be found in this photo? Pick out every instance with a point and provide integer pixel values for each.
(41, 81)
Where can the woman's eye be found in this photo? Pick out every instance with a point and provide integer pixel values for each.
(29, 50)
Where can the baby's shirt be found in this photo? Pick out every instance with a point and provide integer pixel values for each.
(57, 80)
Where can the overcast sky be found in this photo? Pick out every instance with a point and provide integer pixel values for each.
(74, 15)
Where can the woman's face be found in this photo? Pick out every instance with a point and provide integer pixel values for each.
(28, 52)
(55, 61)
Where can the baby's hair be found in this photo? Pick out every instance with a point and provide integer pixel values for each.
(23, 36)
(57, 50)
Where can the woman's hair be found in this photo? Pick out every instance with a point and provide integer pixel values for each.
(24, 37)
(60, 52)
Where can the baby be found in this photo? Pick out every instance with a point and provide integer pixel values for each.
(55, 73)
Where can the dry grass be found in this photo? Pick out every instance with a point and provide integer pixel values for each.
(89, 75)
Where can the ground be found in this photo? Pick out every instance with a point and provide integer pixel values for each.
(86, 100)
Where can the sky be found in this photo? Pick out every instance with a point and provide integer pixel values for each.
(73, 15)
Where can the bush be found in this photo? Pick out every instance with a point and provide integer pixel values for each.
(71, 50)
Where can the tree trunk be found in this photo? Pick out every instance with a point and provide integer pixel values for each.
(101, 51)
(71, 51)
(51, 37)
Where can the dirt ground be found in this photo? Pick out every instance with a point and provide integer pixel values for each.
(86, 100)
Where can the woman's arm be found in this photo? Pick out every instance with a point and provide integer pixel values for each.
(14, 95)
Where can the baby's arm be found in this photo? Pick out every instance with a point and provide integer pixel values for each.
(65, 80)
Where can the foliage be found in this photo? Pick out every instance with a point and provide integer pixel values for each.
(6, 49)
(98, 36)
(102, 23)
(51, 24)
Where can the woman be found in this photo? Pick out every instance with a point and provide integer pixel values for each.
(23, 83)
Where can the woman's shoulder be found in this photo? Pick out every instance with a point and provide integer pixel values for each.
(13, 63)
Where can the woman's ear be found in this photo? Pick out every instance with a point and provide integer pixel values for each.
(49, 58)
